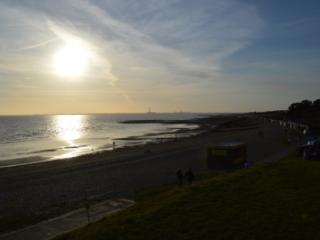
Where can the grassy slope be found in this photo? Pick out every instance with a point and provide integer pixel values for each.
(275, 201)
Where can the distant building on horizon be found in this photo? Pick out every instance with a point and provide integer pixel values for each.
(149, 111)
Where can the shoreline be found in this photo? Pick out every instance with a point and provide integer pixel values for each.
(203, 125)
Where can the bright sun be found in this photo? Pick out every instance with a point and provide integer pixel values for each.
(72, 60)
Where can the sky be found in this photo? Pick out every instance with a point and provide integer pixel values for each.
(169, 55)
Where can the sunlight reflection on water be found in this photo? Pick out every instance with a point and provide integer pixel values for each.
(69, 128)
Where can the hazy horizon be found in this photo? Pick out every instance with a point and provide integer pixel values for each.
(108, 56)
(118, 113)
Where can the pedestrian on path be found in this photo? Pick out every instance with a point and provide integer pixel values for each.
(87, 206)
(189, 176)
(180, 177)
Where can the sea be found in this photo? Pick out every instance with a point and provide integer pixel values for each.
(32, 139)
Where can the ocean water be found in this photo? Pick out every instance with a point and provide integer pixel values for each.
(30, 139)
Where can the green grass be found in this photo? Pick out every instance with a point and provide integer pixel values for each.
(275, 201)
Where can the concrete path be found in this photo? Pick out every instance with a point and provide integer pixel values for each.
(53, 227)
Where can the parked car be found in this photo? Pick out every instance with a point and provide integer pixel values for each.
(311, 149)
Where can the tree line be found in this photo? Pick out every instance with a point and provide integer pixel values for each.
(304, 108)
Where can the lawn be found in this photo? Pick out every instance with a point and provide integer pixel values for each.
(276, 201)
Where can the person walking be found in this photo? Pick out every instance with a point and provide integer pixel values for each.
(180, 177)
(189, 176)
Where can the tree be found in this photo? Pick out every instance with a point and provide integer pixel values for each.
(316, 105)
(306, 105)
(300, 108)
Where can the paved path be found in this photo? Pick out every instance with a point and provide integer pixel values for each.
(53, 227)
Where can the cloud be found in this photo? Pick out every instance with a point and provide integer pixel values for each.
(181, 37)
(138, 45)
(186, 38)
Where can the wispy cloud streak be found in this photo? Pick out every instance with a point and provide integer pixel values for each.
(136, 44)
(187, 37)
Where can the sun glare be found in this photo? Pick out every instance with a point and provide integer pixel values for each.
(69, 127)
(72, 60)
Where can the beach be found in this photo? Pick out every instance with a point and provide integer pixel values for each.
(35, 192)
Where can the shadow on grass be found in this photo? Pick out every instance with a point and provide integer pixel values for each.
(268, 201)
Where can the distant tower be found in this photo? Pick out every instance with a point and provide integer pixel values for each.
(149, 111)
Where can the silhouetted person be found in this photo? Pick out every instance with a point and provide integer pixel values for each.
(180, 177)
(113, 145)
(190, 176)
(87, 206)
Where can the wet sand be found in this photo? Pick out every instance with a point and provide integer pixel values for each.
(35, 192)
